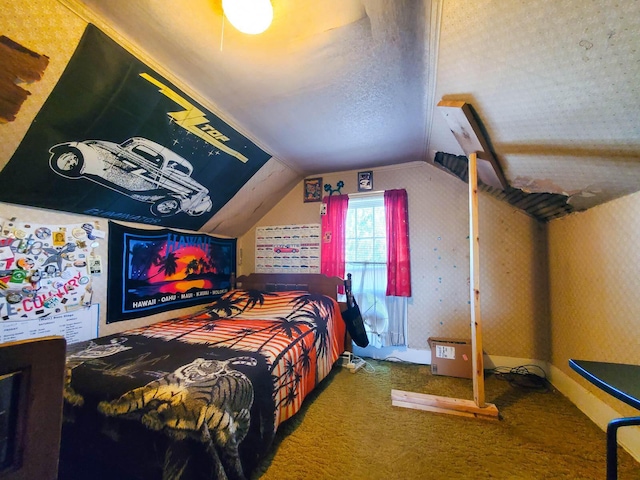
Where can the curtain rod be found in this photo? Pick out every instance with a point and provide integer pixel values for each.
(366, 194)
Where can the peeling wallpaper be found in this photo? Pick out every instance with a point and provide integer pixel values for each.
(512, 259)
(555, 84)
(594, 281)
(32, 27)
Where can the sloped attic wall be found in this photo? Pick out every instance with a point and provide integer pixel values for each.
(512, 259)
(49, 28)
(23, 23)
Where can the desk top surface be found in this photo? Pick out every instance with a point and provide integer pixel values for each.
(617, 379)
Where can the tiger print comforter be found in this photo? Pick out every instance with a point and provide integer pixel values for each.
(199, 396)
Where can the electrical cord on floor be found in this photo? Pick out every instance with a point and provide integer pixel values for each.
(350, 357)
(366, 367)
(391, 358)
(525, 376)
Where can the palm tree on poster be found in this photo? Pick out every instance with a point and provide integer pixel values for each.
(203, 265)
(168, 265)
(143, 255)
(192, 267)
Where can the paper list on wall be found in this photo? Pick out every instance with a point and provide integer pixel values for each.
(288, 249)
(75, 326)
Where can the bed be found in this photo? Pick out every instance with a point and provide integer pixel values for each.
(200, 396)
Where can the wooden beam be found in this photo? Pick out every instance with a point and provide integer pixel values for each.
(455, 406)
(476, 408)
(477, 360)
(465, 128)
(452, 406)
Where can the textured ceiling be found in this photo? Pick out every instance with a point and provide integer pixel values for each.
(352, 84)
(555, 85)
(329, 85)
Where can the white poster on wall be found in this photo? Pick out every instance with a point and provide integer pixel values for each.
(76, 326)
(288, 248)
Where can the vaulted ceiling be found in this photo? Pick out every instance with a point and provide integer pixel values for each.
(339, 85)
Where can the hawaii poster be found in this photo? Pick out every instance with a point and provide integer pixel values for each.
(152, 271)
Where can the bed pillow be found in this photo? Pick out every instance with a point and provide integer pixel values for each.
(261, 305)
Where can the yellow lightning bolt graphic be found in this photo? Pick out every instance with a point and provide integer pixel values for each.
(191, 117)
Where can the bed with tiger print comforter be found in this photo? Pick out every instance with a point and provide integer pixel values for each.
(199, 396)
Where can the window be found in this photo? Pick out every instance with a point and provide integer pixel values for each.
(367, 236)
(366, 260)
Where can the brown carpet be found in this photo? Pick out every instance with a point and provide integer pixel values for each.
(348, 429)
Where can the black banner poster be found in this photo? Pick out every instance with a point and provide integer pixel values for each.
(152, 271)
(117, 140)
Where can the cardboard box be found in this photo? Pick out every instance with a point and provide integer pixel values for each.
(451, 357)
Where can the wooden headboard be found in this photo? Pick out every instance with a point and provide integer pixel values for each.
(278, 282)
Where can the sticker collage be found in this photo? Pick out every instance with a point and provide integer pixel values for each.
(46, 269)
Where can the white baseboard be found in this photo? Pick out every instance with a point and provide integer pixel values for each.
(598, 411)
(398, 354)
(414, 355)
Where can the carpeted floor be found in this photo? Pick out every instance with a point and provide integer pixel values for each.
(348, 429)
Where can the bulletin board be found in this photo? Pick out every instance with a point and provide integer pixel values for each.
(76, 326)
(46, 269)
(288, 248)
(46, 273)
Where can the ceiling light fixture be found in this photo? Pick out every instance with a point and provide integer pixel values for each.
(249, 16)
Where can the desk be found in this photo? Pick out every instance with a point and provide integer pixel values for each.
(621, 381)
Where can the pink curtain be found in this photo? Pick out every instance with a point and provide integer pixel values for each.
(398, 262)
(333, 233)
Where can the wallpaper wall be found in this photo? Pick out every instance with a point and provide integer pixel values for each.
(32, 27)
(594, 275)
(512, 259)
(99, 282)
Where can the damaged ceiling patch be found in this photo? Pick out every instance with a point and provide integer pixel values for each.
(541, 206)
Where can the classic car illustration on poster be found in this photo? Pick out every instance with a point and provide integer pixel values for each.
(117, 140)
(152, 271)
(138, 168)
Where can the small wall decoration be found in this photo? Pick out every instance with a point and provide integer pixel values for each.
(313, 189)
(20, 64)
(331, 191)
(365, 181)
